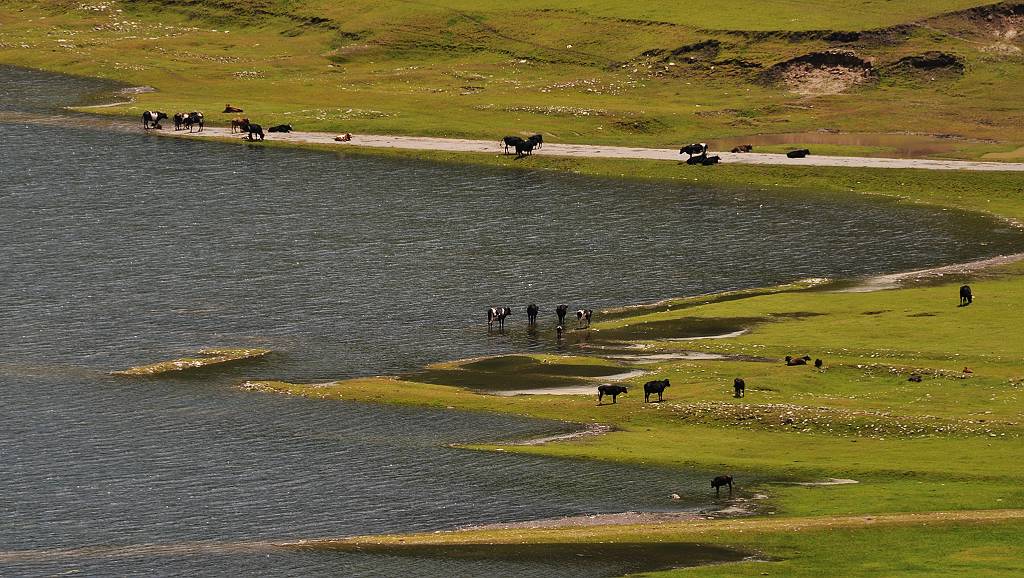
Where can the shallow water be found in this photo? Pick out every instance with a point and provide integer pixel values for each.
(122, 248)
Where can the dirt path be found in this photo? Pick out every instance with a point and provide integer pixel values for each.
(594, 151)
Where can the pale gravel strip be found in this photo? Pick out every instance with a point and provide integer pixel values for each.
(595, 151)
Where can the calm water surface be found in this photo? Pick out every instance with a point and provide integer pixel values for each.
(121, 248)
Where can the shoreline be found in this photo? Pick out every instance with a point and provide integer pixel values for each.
(596, 151)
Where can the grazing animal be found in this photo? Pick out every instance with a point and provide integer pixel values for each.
(537, 138)
(798, 154)
(526, 147)
(194, 118)
(229, 108)
(657, 386)
(612, 390)
(739, 386)
(152, 117)
(698, 149)
(743, 149)
(708, 161)
(966, 297)
(790, 360)
(818, 363)
(254, 130)
(497, 314)
(531, 313)
(561, 310)
(512, 141)
(179, 120)
(281, 128)
(915, 377)
(583, 315)
(241, 124)
(720, 481)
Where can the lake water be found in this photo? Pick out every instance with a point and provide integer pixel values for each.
(121, 248)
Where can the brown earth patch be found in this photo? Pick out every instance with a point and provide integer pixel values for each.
(822, 73)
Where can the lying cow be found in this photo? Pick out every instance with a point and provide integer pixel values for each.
(798, 154)
(281, 128)
(743, 148)
(612, 390)
(790, 360)
(657, 386)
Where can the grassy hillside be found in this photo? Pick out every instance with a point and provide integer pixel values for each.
(586, 71)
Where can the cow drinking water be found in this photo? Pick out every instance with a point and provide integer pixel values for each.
(560, 311)
(657, 386)
(531, 313)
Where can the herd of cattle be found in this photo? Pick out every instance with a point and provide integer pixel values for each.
(697, 153)
(194, 120)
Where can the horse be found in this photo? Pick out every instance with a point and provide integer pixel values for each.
(281, 128)
(657, 386)
(583, 314)
(152, 117)
(739, 386)
(228, 108)
(179, 120)
(242, 124)
(254, 129)
(743, 148)
(612, 390)
(194, 118)
(512, 141)
(497, 314)
(531, 313)
(697, 148)
(720, 481)
(966, 297)
(561, 310)
(798, 154)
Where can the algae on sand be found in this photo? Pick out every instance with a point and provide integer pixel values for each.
(213, 356)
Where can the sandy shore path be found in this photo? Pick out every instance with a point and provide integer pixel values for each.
(595, 151)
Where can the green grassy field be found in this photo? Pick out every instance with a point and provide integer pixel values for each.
(653, 74)
(657, 74)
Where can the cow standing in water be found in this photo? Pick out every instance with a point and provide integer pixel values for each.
(720, 481)
(583, 314)
(531, 313)
(497, 314)
(561, 310)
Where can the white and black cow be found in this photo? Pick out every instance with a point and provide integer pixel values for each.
(194, 118)
(695, 149)
(583, 315)
(497, 314)
(151, 118)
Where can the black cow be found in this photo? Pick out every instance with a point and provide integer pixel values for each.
(497, 314)
(561, 310)
(740, 386)
(798, 154)
(281, 128)
(698, 149)
(790, 360)
(179, 120)
(915, 377)
(512, 141)
(531, 313)
(612, 390)
(657, 386)
(152, 117)
(966, 297)
(743, 149)
(192, 119)
(708, 161)
(537, 138)
(720, 481)
(526, 147)
(583, 315)
(254, 131)
(818, 363)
